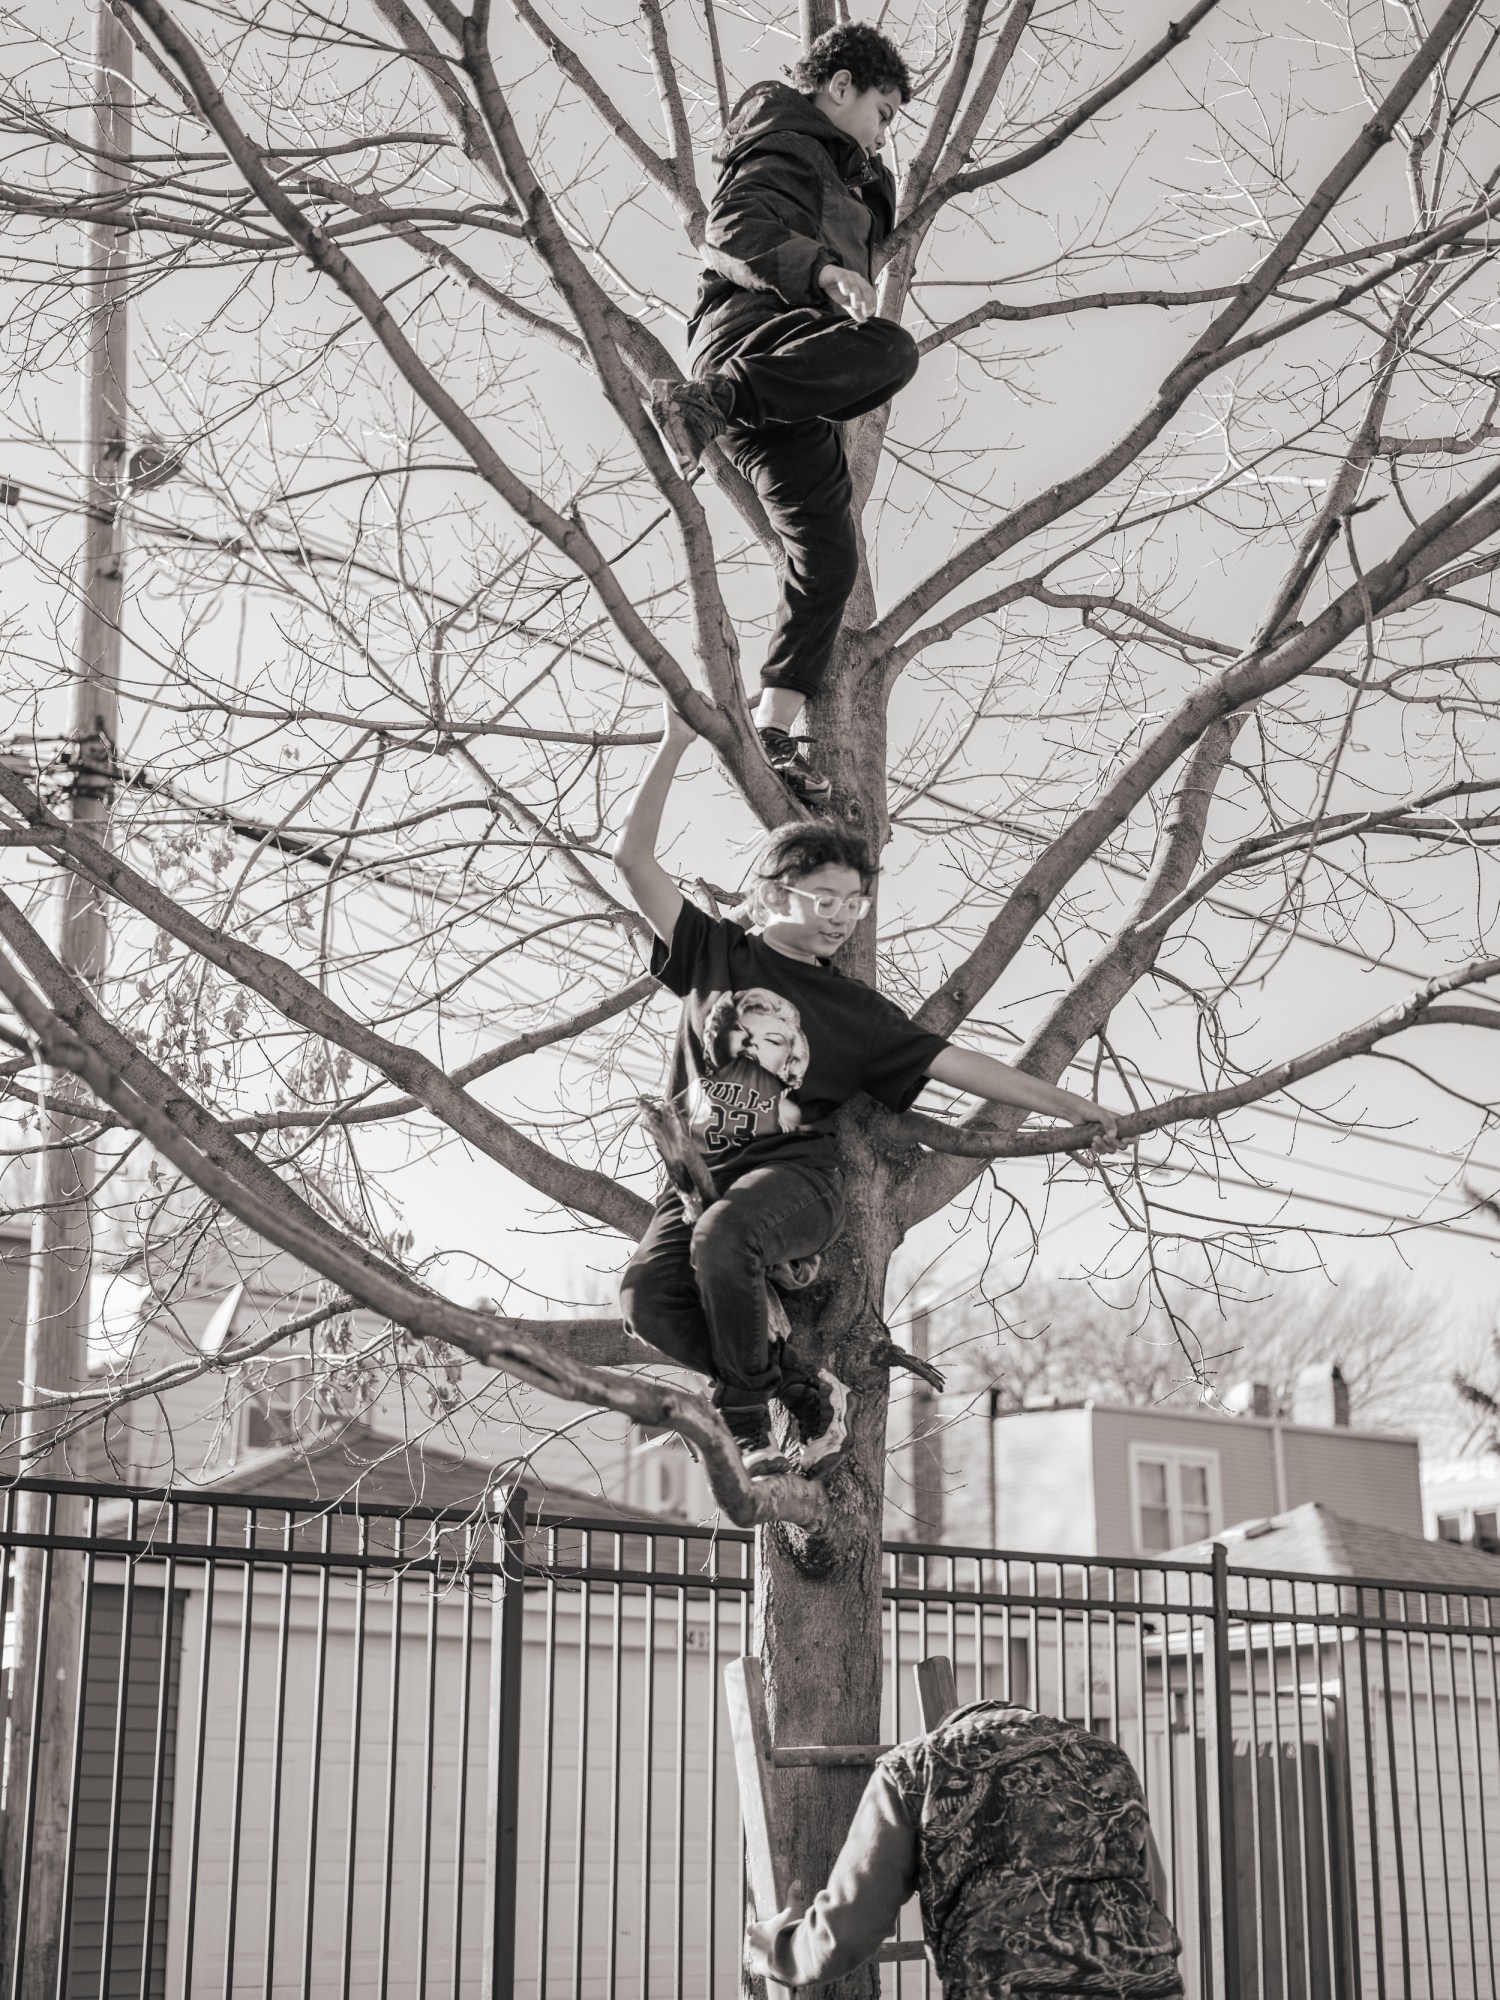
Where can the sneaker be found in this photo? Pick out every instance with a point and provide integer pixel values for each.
(689, 417)
(825, 1430)
(793, 766)
(796, 1274)
(765, 1461)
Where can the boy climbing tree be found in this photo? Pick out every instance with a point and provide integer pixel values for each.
(785, 345)
(772, 1040)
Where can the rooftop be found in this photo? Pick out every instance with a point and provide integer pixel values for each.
(1314, 1541)
(1195, 1413)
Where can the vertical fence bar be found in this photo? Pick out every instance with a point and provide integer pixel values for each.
(356, 1747)
(507, 1642)
(461, 1804)
(241, 1730)
(315, 1771)
(679, 1803)
(429, 1731)
(200, 1741)
(1229, 1870)
(28, 1790)
(117, 1768)
(392, 1760)
(278, 1756)
(648, 1770)
(616, 1699)
(70, 1837)
(581, 1798)
(164, 1668)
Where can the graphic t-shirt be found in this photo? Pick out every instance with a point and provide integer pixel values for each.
(769, 1047)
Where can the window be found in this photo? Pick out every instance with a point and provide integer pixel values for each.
(1487, 1531)
(1176, 1496)
(1450, 1527)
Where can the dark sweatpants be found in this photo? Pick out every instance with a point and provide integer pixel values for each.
(698, 1291)
(796, 376)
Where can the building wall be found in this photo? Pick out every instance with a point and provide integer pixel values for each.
(1458, 1490)
(1359, 1474)
(15, 1257)
(1247, 1472)
(1044, 1465)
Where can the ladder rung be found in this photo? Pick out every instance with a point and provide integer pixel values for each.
(833, 1756)
(902, 1948)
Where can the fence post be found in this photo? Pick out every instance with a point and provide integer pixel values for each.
(1229, 1867)
(507, 1633)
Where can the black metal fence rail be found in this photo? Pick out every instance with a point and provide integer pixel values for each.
(272, 1748)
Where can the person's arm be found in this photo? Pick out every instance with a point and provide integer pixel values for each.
(651, 888)
(849, 1920)
(983, 1076)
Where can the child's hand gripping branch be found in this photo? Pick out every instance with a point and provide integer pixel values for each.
(772, 1040)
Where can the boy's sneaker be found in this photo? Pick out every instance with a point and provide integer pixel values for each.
(793, 767)
(765, 1461)
(824, 1427)
(689, 416)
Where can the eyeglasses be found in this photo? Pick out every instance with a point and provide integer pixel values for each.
(825, 904)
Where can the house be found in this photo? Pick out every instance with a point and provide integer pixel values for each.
(266, 1426)
(1362, 1682)
(1111, 1479)
(1461, 1501)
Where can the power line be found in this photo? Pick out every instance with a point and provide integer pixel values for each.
(1404, 1222)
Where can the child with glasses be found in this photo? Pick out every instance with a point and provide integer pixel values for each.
(772, 1040)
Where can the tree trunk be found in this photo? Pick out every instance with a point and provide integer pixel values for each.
(818, 1597)
(815, 17)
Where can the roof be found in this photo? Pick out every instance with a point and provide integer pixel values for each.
(1312, 1540)
(1190, 1413)
(359, 1463)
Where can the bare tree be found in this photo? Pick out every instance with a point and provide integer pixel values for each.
(1065, 1338)
(1135, 691)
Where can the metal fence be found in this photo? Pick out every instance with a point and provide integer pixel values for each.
(277, 1748)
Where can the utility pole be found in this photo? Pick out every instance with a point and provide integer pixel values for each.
(48, 1585)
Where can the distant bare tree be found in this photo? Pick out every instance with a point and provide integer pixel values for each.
(400, 619)
(1062, 1338)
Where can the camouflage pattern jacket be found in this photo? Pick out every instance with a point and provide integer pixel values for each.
(1033, 1860)
(1027, 1841)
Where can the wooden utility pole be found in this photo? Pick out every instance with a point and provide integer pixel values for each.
(48, 1587)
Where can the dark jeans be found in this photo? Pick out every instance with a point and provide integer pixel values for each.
(698, 1292)
(796, 376)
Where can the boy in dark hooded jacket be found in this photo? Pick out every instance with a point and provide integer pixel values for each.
(785, 345)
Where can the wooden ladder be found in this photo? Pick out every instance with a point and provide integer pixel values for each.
(757, 1760)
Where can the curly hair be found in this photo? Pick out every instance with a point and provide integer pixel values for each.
(873, 61)
(789, 852)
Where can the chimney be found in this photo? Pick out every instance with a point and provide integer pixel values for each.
(1321, 1396)
(1249, 1399)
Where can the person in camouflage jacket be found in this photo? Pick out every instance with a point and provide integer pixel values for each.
(1027, 1840)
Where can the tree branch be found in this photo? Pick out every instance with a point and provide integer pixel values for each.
(1202, 360)
(299, 1000)
(521, 1348)
(955, 184)
(1467, 519)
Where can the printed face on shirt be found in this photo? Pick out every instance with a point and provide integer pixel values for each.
(754, 1054)
(764, 1027)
